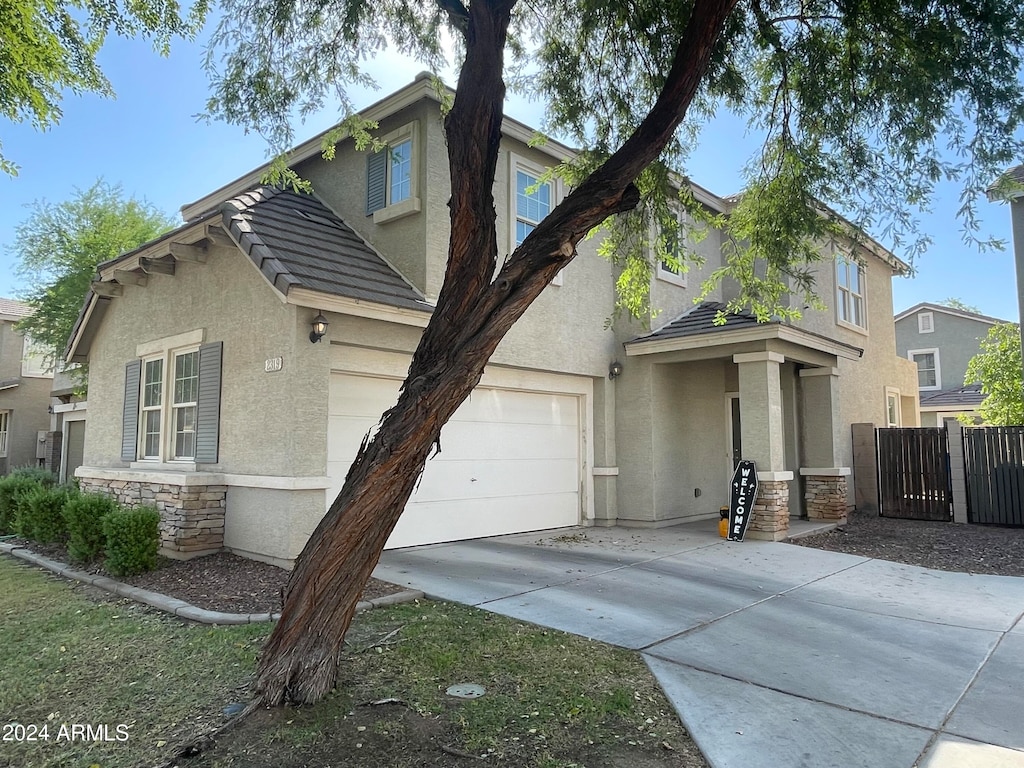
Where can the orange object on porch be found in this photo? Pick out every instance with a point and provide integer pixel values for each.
(723, 522)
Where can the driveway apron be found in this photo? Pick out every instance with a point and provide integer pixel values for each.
(772, 654)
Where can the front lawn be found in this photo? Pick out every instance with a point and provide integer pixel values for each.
(71, 655)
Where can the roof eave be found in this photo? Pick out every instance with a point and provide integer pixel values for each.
(650, 346)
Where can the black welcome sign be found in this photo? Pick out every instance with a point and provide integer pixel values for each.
(741, 500)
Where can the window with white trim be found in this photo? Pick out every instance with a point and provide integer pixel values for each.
(925, 323)
(392, 181)
(35, 360)
(167, 426)
(850, 292)
(893, 417)
(665, 270)
(532, 200)
(927, 361)
(5, 422)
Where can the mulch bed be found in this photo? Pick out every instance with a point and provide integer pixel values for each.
(943, 546)
(220, 582)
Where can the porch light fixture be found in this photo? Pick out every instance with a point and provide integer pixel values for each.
(615, 370)
(319, 328)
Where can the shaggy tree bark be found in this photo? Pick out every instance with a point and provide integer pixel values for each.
(473, 314)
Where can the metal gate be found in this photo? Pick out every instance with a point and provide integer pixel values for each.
(913, 473)
(995, 475)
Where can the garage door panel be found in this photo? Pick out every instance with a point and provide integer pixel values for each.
(510, 460)
(507, 441)
(490, 479)
(498, 405)
(467, 519)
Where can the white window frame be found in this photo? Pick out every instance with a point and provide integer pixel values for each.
(846, 297)
(922, 326)
(158, 409)
(892, 394)
(33, 360)
(665, 273)
(174, 408)
(412, 204)
(519, 163)
(938, 370)
(167, 350)
(5, 432)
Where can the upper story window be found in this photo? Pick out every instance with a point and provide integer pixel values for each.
(667, 271)
(34, 360)
(5, 420)
(172, 401)
(850, 292)
(925, 323)
(532, 200)
(927, 361)
(392, 181)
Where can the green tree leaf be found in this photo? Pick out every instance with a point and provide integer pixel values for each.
(998, 368)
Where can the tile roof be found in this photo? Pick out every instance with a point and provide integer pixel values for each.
(700, 320)
(14, 308)
(295, 240)
(965, 397)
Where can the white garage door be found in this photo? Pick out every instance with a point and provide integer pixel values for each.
(510, 460)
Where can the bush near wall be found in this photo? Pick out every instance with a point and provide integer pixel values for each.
(13, 487)
(133, 537)
(39, 515)
(83, 514)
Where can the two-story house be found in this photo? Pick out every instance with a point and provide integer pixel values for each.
(941, 341)
(237, 362)
(25, 384)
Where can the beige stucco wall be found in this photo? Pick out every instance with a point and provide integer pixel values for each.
(27, 402)
(265, 428)
(271, 525)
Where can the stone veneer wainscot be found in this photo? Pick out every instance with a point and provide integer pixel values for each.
(191, 515)
(771, 511)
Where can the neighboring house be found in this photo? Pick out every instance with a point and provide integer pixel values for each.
(25, 384)
(69, 410)
(941, 341)
(207, 397)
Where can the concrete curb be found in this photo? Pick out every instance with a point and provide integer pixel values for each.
(172, 605)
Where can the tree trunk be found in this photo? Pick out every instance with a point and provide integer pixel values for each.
(473, 314)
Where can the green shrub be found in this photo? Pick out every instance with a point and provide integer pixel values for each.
(133, 537)
(83, 514)
(13, 488)
(39, 513)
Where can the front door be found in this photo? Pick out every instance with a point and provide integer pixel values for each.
(735, 438)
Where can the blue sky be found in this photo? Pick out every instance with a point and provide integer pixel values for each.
(148, 140)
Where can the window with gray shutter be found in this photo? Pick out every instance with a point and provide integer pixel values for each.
(208, 403)
(130, 418)
(376, 181)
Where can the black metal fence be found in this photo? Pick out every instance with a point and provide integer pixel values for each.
(995, 475)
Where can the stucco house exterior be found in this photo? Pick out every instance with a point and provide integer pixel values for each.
(941, 341)
(208, 396)
(25, 383)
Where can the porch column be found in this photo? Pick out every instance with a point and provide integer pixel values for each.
(763, 442)
(825, 484)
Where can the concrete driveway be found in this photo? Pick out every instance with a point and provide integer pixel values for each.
(773, 654)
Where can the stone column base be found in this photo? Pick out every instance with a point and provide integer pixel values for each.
(826, 497)
(191, 516)
(771, 511)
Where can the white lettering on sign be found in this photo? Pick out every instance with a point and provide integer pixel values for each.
(273, 364)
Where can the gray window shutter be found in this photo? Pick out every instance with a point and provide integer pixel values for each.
(208, 404)
(130, 419)
(376, 181)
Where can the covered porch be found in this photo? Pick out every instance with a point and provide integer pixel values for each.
(767, 393)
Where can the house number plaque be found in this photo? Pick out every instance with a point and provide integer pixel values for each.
(273, 364)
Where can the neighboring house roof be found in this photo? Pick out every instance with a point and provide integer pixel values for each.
(700, 322)
(1013, 178)
(928, 306)
(13, 310)
(297, 241)
(963, 398)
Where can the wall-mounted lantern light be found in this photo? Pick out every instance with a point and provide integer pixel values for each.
(319, 328)
(615, 370)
